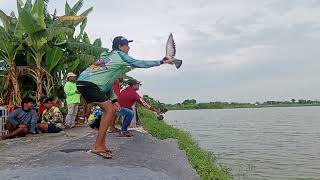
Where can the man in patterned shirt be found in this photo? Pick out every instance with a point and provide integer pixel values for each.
(52, 118)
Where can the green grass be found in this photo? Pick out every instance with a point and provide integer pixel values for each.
(202, 161)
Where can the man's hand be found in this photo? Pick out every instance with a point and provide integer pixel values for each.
(157, 111)
(117, 106)
(168, 60)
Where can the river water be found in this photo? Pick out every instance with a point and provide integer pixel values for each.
(264, 143)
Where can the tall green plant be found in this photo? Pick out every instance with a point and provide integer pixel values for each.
(49, 45)
(9, 46)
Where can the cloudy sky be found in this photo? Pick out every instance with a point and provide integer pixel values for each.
(233, 50)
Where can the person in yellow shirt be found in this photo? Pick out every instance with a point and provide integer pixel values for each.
(73, 99)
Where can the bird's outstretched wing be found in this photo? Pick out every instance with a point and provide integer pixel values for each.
(171, 46)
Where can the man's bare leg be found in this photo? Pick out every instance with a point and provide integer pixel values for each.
(14, 131)
(10, 127)
(108, 114)
(113, 124)
(113, 127)
(42, 128)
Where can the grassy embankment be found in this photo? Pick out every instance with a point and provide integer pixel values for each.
(202, 161)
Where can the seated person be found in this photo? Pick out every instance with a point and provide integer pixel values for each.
(127, 98)
(21, 121)
(42, 106)
(95, 122)
(97, 112)
(51, 121)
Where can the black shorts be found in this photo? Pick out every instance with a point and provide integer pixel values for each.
(91, 92)
(53, 128)
(96, 123)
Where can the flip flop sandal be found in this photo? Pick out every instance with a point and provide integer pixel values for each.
(104, 154)
(121, 134)
(114, 130)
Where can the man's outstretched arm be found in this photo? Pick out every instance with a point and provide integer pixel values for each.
(145, 104)
(139, 63)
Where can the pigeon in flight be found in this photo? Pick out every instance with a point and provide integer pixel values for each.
(171, 51)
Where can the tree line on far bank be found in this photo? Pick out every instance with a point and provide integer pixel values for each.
(193, 104)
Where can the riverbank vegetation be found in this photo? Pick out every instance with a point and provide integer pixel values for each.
(193, 104)
(202, 161)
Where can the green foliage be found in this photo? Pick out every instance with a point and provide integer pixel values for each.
(67, 9)
(29, 23)
(38, 11)
(191, 101)
(190, 104)
(86, 48)
(27, 6)
(86, 12)
(53, 57)
(48, 45)
(97, 42)
(5, 20)
(202, 161)
(150, 100)
(76, 8)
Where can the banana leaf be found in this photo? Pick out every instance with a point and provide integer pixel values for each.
(53, 57)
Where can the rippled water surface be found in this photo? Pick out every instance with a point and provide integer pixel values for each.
(265, 143)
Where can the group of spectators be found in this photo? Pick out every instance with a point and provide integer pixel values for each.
(26, 119)
(47, 117)
(97, 84)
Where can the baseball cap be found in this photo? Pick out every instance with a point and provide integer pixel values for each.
(132, 82)
(71, 74)
(120, 40)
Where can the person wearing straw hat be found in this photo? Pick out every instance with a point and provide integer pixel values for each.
(72, 98)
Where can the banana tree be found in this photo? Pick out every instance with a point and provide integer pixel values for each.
(9, 47)
(32, 21)
(53, 57)
(40, 44)
(49, 43)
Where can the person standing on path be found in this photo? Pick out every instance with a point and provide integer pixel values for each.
(73, 99)
(95, 85)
